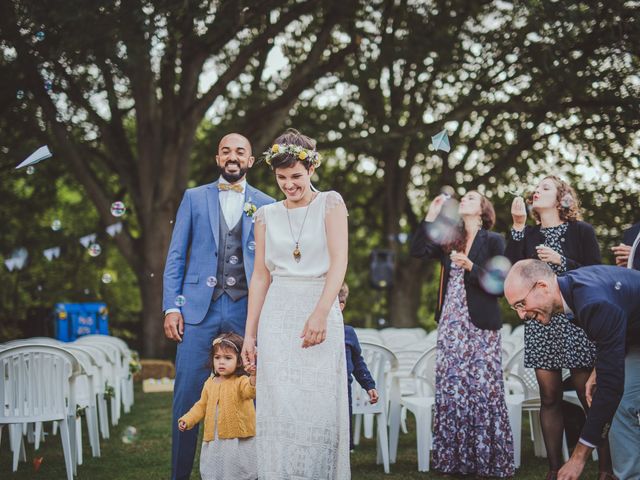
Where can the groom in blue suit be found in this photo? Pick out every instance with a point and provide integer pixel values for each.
(605, 302)
(206, 278)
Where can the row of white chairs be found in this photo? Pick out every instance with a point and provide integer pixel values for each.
(48, 380)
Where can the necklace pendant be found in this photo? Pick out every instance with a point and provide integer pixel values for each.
(297, 255)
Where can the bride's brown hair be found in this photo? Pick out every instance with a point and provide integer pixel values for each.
(291, 136)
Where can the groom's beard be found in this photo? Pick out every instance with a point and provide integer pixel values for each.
(232, 177)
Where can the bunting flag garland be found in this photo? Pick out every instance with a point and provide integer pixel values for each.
(114, 229)
(88, 240)
(17, 260)
(51, 253)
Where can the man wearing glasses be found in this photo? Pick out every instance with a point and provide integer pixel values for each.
(605, 302)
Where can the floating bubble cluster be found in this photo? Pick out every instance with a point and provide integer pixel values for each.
(94, 249)
(495, 271)
(129, 435)
(445, 227)
(118, 209)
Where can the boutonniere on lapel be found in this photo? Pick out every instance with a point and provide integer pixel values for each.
(249, 209)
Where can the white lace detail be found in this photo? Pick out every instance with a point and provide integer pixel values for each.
(301, 399)
(334, 199)
(259, 216)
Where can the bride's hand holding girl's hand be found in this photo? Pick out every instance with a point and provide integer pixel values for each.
(248, 354)
(518, 213)
(315, 330)
(435, 207)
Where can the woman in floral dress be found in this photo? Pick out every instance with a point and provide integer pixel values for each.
(472, 434)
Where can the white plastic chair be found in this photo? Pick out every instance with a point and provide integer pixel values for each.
(380, 360)
(408, 385)
(35, 387)
(124, 390)
(421, 405)
(115, 359)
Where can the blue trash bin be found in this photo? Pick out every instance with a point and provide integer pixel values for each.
(73, 320)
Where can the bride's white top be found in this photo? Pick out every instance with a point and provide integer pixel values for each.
(280, 242)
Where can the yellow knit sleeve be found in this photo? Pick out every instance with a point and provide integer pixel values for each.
(247, 391)
(196, 414)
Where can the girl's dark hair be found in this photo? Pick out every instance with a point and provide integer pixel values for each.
(226, 342)
(488, 218)
(291, 136)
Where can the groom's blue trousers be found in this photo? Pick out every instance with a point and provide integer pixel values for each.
(224, 315)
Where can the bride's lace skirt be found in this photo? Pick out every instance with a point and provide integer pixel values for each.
(301, 400)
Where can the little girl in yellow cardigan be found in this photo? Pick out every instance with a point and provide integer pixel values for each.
(226, 404)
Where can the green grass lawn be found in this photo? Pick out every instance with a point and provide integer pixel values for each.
(149, 456)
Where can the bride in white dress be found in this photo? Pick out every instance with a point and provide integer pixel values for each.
(293, 314)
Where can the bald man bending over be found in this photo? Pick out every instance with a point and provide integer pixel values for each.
(206, 277)
(605, 302)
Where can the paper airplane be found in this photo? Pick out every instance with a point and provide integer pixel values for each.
(40, 154)
(88, 240)
(440, 141)
(51, 253)
(114, 229)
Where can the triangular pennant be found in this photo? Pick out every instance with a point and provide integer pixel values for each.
(51, 253)
(20, 257)
(40, 154)
(114, 229)
(10, 263)
(88, 240)
(440, 141)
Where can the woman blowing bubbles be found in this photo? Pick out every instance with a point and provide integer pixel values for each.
(565, 243)
(471, 434)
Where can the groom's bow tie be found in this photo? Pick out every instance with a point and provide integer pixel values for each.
(225, 187)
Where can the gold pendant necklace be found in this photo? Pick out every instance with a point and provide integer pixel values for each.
(297, 254)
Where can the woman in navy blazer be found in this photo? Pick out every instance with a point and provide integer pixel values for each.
(472, 434)
(565, 243)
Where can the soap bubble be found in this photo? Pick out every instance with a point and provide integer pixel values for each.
(31, 170)
(39, 36)
(231, 281)
(48, 85)
(251, 245)
(495, 271)
(56, 225)
(94, 249)
(618, 286)
(118, 209)
(233, 260)
(180, 301)
(444, 228)
(129, 435)
(107, 278)
(20, 94)
(212, 282)
(567, 201)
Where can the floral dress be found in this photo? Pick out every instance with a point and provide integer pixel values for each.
(560, 344)
(472, 434)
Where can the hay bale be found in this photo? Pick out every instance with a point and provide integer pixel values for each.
(152, 368)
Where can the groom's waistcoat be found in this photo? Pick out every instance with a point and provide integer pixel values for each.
(231, 276)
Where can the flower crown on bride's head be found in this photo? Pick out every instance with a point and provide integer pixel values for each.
(301, 153)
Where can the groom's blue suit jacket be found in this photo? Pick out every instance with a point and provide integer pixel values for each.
(605, 302)
(193, 253)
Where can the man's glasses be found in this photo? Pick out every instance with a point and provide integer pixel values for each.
(520, 304)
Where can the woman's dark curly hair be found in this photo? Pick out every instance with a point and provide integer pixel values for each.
(566, 201)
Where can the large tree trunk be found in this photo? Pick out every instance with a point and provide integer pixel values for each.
(406, 294)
